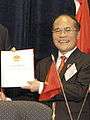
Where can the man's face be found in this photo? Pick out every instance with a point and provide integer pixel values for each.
(64, 33)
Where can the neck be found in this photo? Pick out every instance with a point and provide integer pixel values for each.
(63, 53)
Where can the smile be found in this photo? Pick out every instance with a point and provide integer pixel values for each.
(63, 41)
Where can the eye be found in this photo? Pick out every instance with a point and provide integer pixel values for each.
(56, 30)
(68, 29)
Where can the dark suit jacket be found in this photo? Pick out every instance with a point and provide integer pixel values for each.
(5, 43)
(75, 87)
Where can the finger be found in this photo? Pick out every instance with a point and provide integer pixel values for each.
(25, 87)
(13, 49)
(28, 86)
(29, 82)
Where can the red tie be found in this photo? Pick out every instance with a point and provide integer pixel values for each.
(57, 107)
(63, 58)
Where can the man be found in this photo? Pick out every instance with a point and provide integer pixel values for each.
(5, 43)
(75, 75)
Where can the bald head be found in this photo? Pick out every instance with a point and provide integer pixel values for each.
(64, 18)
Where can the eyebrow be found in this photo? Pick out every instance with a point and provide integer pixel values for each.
(62, 28)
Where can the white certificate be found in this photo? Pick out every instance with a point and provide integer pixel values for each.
(17, 68)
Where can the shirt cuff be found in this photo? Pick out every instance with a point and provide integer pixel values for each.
(41, 86)
(8, 99)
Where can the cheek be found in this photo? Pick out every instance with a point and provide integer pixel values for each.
(73, 40)
(72, 43)
(55, 37)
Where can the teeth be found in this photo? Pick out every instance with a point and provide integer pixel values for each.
(62, 41)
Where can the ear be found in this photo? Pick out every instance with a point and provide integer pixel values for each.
(78, 35)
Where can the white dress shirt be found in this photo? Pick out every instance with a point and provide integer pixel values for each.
(57, 64)
(66, 55)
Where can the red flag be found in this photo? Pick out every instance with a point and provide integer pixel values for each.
(83, 16)
(52, 86)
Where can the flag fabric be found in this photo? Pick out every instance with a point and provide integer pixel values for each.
(83, 16)
(52, 86)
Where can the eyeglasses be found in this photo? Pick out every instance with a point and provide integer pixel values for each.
(65, 30)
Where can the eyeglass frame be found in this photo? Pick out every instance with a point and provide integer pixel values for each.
(64, 30)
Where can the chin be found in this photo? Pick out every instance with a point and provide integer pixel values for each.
(64, 50)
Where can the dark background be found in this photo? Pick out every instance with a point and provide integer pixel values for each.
(29, 22)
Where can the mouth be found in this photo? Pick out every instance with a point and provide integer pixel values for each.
(63, 41)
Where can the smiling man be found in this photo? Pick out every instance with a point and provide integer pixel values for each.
(75, 75)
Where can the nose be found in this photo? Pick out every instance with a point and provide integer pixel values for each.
(62, 32)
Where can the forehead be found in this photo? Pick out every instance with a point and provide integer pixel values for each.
(63, 21)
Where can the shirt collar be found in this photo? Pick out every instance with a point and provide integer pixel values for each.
(66, 54)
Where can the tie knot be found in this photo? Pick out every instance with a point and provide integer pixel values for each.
(63, 58)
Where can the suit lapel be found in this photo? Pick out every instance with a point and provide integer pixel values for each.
(72, 59)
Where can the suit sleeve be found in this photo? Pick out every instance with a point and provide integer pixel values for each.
(5, 43)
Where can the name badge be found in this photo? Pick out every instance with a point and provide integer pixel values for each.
(70, 72)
